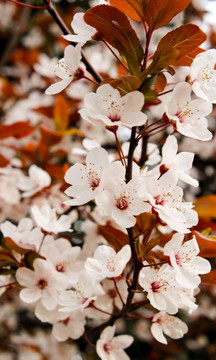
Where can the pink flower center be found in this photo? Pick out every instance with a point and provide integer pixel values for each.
(42, 284)
(122, 203)
(107, 347)
(159, 200)
(155, 286)
(60, 268)
(115, 117)
(94, 183)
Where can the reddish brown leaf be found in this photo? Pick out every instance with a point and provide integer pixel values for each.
(125, 84)
(204, 224)
(3, 161)
(161, 82)
(114, 237)
(114, 27)
(61, 114)
(210, 278)
(57, 171)
(160, 12)
(132, 8)
(206, 206)
(185, 39)
(17, 130)
(9, 244)
(186, 60)
(48, 136)
(207, 244)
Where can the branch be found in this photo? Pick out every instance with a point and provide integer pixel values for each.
(59, 21)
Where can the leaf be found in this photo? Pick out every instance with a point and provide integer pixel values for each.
(49, 137)
(206, 206)
(187, 60)
(3, 161)
(57, 171)
(17, 130)
(114, 27)
(160, 83)
(132, 8)
(61, 114)
(148, 247)
(163, 57)
(11, 245)
(7, 259)
(114, 237)
(125, 84)
(30, 257)
(185, 39)
(160, 12)
(207, 244)
(210, 278)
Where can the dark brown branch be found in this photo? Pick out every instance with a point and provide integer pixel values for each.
(59, 21)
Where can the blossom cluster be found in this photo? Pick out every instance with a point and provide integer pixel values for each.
(125, 201)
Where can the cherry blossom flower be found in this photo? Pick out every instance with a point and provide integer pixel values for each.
(63, 258)
(167, 200)
(106, 263)
(46, 218)
(159, 285)
(72, 326)
(83, 31)
(188, 115)
(203, 75)
(67, 69)
(109, 347)
(45, 65)
(85, 179)
(177, 163)
(42, 283)
(85, 291)
(107, 106)
(169, 325)
(185, 261)
(121, 201)
(23, 234)
(37, 180)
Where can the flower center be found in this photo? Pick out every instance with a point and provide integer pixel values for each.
(42, 284)
(60, 267)
(122, 203)
(155, 286)
(107, 347)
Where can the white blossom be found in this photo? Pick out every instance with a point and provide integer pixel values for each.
(188, 116)
(185, 261)
(35, 182)
(159, 285)
(107, 106)
(106, 263)
(178, 164)
(203, 75)
(46, 218)
(121, 201)
(169, 325)
(109, 347)
(83, 32)
(42, 283)
(67, 69)
(84, 292)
